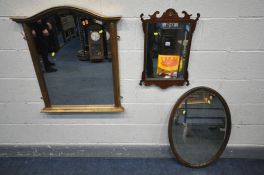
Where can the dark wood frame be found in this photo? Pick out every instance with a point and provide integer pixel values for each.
(227, 134)
(116, 107)
(169, 16)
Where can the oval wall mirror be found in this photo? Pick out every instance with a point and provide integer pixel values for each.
(199, 127)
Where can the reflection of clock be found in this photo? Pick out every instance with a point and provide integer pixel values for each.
(95, 36)
(95, 42)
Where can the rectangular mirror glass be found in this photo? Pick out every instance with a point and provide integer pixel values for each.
(166, 50)
(75, 67)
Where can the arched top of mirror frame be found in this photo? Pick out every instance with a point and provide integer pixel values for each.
(52, 10)
(227, 134)
(49, 108)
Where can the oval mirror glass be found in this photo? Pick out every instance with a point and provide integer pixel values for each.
(199, 127)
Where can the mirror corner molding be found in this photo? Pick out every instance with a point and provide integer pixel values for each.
(167, 46)
(199, 127)
(97, 41)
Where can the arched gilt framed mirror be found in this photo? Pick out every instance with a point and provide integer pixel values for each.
(199, 127)
(75, 56)
(168, 41)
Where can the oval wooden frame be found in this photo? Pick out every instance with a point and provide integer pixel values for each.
(227, 135)
(116, 107)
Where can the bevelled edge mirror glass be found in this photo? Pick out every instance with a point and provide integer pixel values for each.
(199, 127)
(167, 48)
(75, 56)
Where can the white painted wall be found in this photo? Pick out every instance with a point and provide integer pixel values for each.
(227, 55)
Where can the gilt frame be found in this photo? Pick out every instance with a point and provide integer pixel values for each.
(49, 108)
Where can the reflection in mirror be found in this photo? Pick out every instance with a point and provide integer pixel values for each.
(75, 54)
(199, 127)
(167, 50)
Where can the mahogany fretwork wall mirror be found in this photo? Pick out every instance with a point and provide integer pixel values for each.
(75, 56)
(167, 48)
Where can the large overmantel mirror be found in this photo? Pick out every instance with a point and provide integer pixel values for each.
(168, 41)
(75, 56)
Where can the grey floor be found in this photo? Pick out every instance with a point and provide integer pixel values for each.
(79, 82)
(124, 166)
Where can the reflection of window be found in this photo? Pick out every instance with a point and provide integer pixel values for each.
(74, 52)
